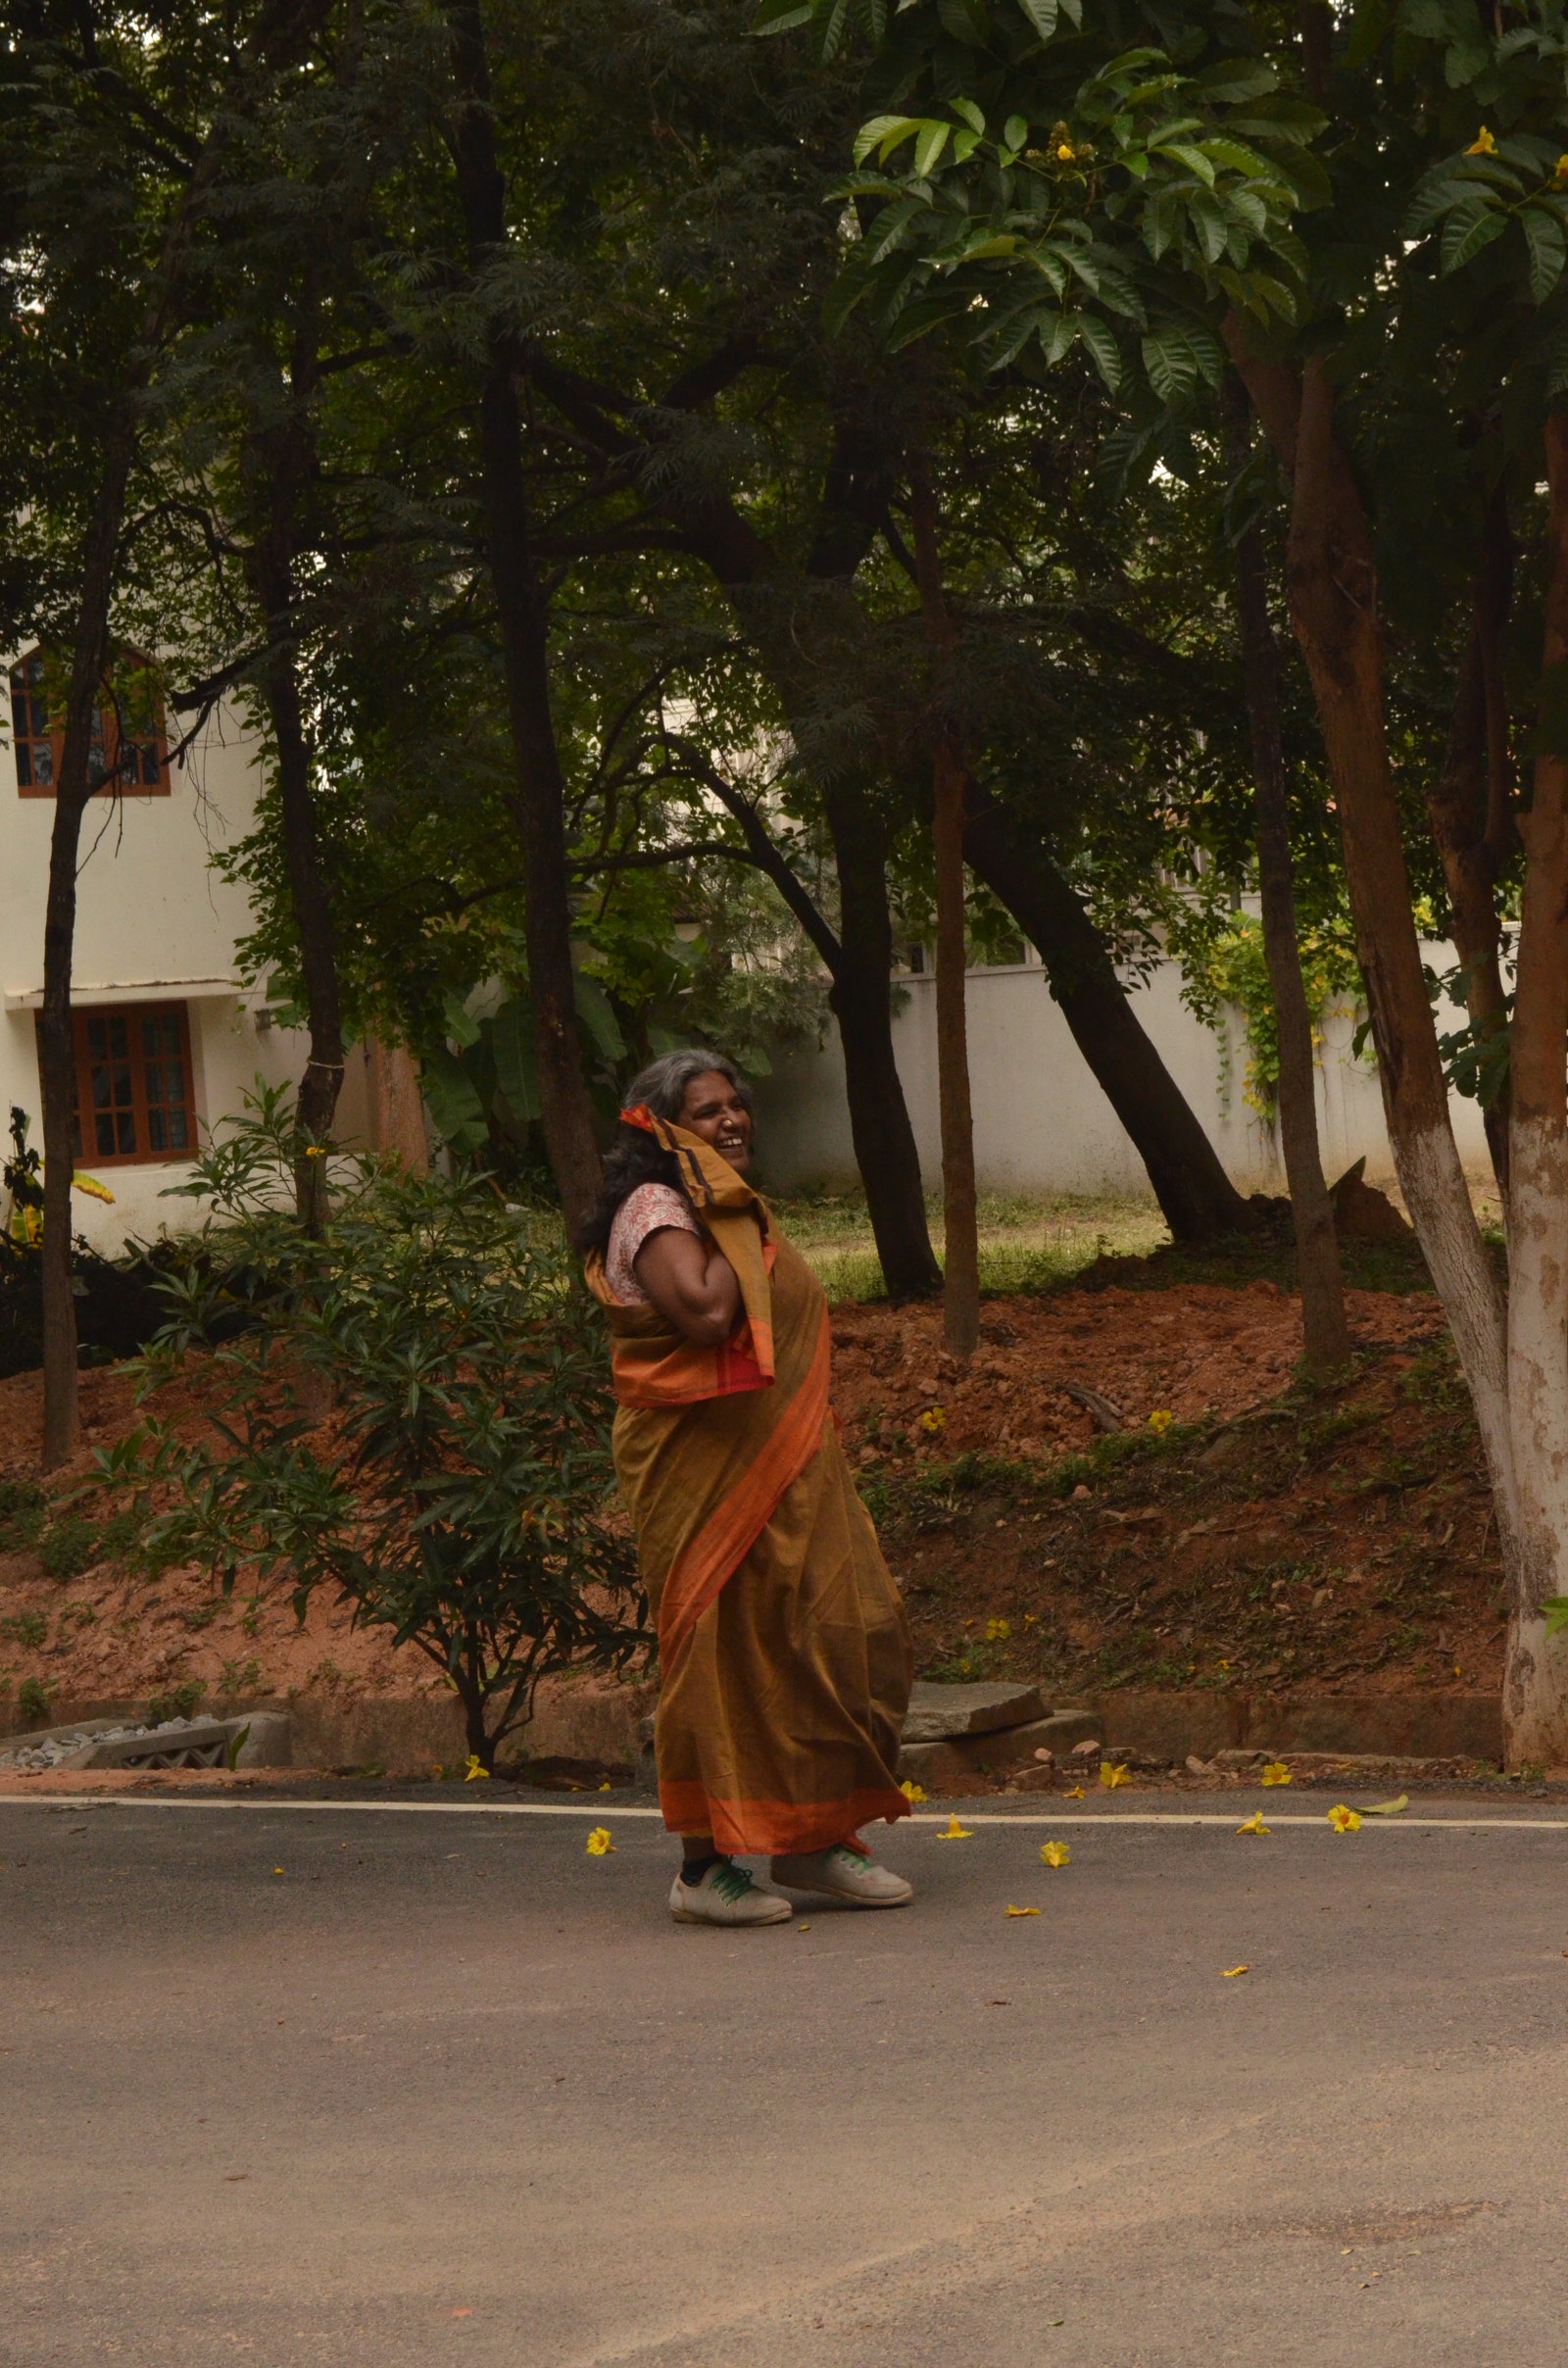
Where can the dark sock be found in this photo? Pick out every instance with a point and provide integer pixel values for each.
(691, 1870)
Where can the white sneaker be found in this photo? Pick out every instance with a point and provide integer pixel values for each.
(726, 1895)
(844, 1873)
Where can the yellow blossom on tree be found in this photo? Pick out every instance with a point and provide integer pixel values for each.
(599, 1842)
(1276, 1772)
(955, 1831)
(1343, 1820)
(1483, 144)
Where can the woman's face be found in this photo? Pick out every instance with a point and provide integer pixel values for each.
(713, 1108)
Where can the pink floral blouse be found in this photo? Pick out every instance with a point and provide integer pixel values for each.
(649, 1209)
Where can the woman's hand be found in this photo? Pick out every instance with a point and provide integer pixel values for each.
(691, 1282)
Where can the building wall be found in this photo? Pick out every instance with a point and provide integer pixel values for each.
(154, 924)
(1042, 1123)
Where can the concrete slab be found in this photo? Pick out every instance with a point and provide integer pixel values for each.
(938, 1713)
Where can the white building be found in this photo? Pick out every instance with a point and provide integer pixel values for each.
(167, 1041)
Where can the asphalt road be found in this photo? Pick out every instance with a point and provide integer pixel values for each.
(446, 2092)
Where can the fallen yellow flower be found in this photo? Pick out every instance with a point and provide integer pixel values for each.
(474, 1769)
(1276, 1772)
(1228, 1972)
(955, 1831)
(1343, 1820)
(599, 1842)
(1387, 1809)
(911, 1791)
(607, 1786)
(1254, 1824)
(1054, 1853)
(1161, 1419)
(1076, 1793)
(1023, 1911)
(1112, 1777)
(278, 1870)
(997, 1630)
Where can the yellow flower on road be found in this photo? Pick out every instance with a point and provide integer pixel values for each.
(1254, 1824)
(1228, 1972)
(599, 1842)
(956, 1831)
(1111, 1777)
(1054, 1853)
(1343, 1820)
(1076, 1793)
(911, 1791)
(1023, 1911)
(1276, 1772)
(474, 1769)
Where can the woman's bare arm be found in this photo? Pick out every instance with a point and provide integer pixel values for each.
(691, 1282)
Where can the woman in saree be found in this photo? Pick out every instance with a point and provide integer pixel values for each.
(784, 1652)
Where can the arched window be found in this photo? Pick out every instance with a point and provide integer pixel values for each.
(128, 755)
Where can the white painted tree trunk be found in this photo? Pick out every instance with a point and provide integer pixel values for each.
(1535, 1694)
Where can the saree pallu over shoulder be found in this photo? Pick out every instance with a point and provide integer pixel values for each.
(654, 1365)
(784, 1652)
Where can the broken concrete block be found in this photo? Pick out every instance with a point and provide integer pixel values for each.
(938, 1713)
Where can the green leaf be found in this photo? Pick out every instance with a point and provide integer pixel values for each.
(1184, 153)
(516, 1062)
(929, 143)
(1042, 15)
(1472, 225)
(1172, 365)
(235, 1745)
(782, 16)
(453, 1101)
(963, 20)
(883, 132)
(1104, 351)
(1016, 131)
(1549, 250)
(461, 1024)
(970, 113)
(1236, 78)
(1555, 1609)
(597, 1017)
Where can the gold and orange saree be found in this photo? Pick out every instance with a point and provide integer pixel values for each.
(785, 1655)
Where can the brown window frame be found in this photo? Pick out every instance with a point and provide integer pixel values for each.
(133, 1013)
(22, 695)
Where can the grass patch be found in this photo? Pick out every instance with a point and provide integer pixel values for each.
(1027, 1242)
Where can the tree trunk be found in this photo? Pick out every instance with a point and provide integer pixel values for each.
(279, 471)
(1470, 809)
(523, 612)
(1536, 1677)
(1326, 1335)
(885, 1148)
(57, 1058)
(1513, 1363)
(950, 780)
(1197, 1197)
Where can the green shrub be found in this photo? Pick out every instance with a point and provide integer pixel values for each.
(70, 1546)
(181, 1702)
(33, 1701)
(461, 1496)
(28, 1628)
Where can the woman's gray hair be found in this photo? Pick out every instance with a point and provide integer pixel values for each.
(663, 1084)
